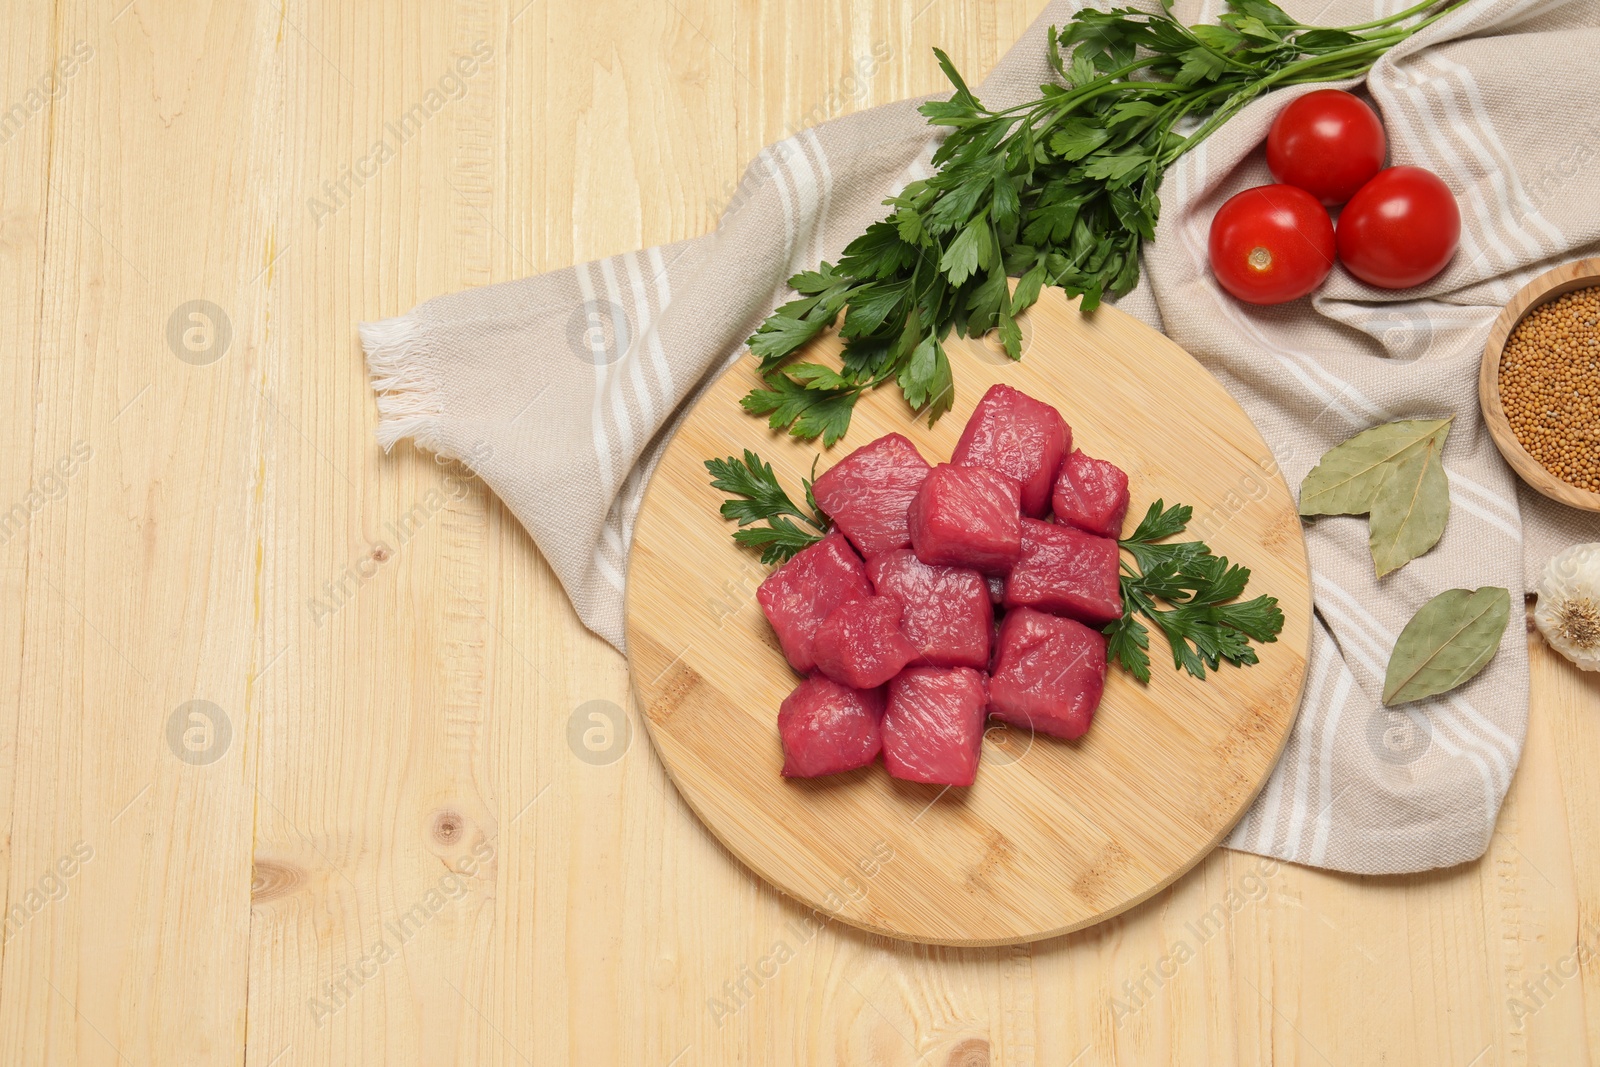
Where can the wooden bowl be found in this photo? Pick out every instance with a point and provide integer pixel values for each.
(1581, 274)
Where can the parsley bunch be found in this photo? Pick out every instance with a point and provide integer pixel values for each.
(1060, 190)
(1201, 626)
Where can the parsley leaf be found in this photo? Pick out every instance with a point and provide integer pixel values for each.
(778, 541)
(803, 411)
(1158, 523)
(926, 380)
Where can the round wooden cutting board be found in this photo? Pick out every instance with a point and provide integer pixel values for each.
(1054, 835)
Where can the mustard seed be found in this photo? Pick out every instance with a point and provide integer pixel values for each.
(1550, 386)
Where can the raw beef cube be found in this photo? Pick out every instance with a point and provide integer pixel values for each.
(948, 615)
(967, 517)
(827, 728)
(867, 492)
(1068, 572)
(1048, 673)
(800, 594)
(861, 644)
(933, 728)
(1012, 433)
(1091, 494)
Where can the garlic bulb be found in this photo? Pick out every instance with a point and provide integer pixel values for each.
(1568, 612)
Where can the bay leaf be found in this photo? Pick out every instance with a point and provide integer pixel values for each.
(1347, 478)
(1446, 643)
(1411, 506)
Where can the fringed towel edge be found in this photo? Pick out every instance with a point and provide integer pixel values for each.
(405, 376)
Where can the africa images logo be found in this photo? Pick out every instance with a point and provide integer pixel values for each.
(49, 486)
(451, 86)
(51, 85)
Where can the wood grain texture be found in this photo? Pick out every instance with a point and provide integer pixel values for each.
(596, 921)
(1052, 836)
(1558, 281)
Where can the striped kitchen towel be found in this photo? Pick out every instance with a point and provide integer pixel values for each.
(560, 390)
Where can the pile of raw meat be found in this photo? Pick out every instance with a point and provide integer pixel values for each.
(892, 616)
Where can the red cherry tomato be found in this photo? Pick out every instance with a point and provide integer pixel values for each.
(1328, 143)
(1271, 244)
(1400, 229)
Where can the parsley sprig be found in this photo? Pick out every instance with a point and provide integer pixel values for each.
(758, 497)
(1201, 625)
(1060, 190)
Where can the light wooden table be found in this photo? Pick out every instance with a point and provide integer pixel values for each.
(271, 876)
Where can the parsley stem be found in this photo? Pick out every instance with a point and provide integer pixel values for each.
(1109, 78)
(1398, 16)
(1300, 72)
